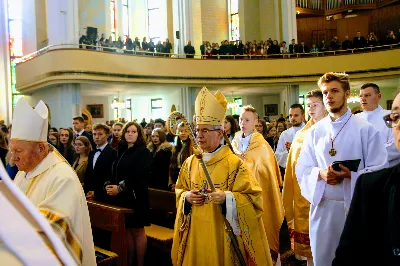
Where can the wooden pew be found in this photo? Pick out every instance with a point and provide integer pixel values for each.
(159, 238)
(111, 218)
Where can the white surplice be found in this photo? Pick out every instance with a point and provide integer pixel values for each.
(286, 136)
(358, 139)
(54, 188)
(375, 117)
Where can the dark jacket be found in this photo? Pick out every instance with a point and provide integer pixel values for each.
(359, 42)
(71, 153)
(189, 51)
(131, 171)
(97, 177)
(159, 170)
(90, 137)
(347, 44)
(292, 48)
(366, 237)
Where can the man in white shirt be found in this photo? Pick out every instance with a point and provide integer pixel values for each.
(339, 136)
(370, 96)
(296, 116)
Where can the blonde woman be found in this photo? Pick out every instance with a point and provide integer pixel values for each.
(82, 149)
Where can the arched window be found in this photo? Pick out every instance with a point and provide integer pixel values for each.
(234, 10)
(15, 28)
(157, 22)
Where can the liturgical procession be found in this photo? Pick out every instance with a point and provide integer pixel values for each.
(200, 132)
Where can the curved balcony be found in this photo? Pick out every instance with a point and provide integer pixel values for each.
(65, 64)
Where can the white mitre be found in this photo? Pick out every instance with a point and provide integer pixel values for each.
(30, 124)
(22, 229)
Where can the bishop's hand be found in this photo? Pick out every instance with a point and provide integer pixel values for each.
(194, 198)
(216, 197)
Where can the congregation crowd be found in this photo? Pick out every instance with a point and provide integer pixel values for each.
(239, 48)
(116, 162)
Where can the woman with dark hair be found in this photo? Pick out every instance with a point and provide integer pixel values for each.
(273, 136)
(54, 138)
(65, 144)
(53, 130)
(82, 149)
(230, 128)
(131, 171)
(162, 153)
(183, 149)
(261, 127)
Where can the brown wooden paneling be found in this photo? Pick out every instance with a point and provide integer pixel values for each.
(349, 26)
(305, 27)
(384, 19)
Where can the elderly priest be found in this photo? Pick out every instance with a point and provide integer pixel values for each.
(200, 236)
(49, 181)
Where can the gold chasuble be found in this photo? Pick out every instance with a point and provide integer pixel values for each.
(261, 159)
(54, 188)
(200, 238)
(297, 208)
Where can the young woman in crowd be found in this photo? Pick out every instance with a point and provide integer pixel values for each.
(11, 167)
(230, 128)
(281, 126)
(3, 149)
(53, 130)
(82, 150)
(53, 137)
(162, 153)
(273, 136)
(65, 144)
(183, 149)
(274, 122)
(261, 127)
(131, 172)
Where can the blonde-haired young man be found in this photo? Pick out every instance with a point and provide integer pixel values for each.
(338, 137)
(259, 156)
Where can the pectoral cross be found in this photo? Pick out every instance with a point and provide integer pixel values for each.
(332, 152)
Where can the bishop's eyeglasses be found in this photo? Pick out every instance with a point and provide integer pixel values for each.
(392, 119)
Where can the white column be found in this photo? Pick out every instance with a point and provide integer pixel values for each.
(139, 19)
(5, 82)
(62, 21)
(289, 26)
(288, 96)
(119, 16)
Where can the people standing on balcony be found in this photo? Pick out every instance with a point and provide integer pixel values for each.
(189, 50)
(145, 45)
(323, 47)
(335, 43)
(159, 46)
(240, 47)
(209, 50)
(347, 44)
(302, 48)
(314, 49)
(136, 44)
(284, 49)
(372, 40)
(120, 43)
(293, 47)
(391, 38)
(168, 45)
(274, 48)
(151, 47)
(203, 49)
(129, 46)
(359, 41)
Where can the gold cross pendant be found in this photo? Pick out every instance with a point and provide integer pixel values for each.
(332, 152)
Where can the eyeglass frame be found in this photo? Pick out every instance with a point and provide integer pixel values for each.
(205, 130)
(389, 121)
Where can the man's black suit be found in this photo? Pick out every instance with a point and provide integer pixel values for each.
(366, 237)
(97, 177)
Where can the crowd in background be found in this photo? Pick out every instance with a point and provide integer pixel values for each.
(226, 49)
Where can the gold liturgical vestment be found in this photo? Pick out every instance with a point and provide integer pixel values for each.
(204, 241)
(54, 188)
(260, 158)
(297, 208)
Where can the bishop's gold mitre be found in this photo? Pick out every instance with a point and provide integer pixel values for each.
(210, 109)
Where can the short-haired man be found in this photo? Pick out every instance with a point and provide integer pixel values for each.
(49, 182)
(260, 158)
(79, 127)
(297, 208)
(148, 129)
(98, 171)
(340, 136)
(159, 123)
(237, 194)
(370, 96)
(372, 226)
(296, 117)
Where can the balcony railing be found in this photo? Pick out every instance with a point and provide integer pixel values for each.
(197, 56)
